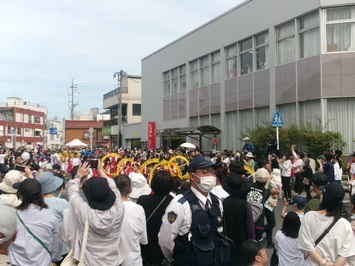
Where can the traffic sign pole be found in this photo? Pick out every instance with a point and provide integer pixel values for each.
(277, 122)
(277, 138)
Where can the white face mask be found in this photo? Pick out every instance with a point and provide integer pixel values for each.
(207, 183)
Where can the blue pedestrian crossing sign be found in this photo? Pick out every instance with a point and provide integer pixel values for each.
(277, 120)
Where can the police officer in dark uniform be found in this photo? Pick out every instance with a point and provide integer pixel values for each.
(192, 229)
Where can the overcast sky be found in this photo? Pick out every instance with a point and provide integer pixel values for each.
(45, 44)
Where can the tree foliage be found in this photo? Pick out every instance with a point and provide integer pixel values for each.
(314, 140)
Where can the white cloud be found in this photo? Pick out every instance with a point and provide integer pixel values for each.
(44, 44)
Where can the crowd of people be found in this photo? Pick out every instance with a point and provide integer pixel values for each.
(179, 207)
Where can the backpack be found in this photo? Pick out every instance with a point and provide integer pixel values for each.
(257, 209)
(256, 199)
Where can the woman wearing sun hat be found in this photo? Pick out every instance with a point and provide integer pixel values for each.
(8, 192)
(51, 185)
(104, 211)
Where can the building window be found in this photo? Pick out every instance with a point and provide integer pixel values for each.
(309, 35)
(286, 43)
(246, 56)
(29, 119)
(37, 119)
(262, 50)
(231, 52)
(86, 135)
(136, 109)
(194, 74)
(182, 78)
(216, 67)
(340, 29)
(166, 76)
(175, 81)
(37, 133)
(204, 64)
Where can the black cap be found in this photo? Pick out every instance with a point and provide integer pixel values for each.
(320, 179)
(334, 192)
(200, 162)
(29, 188)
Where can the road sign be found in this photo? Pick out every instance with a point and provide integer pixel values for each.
(214, 141)
(277, 120)
(53, 131)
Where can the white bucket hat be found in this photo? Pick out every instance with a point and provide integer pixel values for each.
(11, 177)
(139, 186)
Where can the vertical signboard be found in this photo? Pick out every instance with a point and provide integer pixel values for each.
(151, 135)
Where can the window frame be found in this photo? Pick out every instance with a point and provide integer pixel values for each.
(232, 71)
(265, 45)
(133, 109)
(247, 51)
(284, 38)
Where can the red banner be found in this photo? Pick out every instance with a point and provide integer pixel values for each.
(151, 135)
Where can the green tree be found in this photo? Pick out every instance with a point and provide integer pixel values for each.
(314, 140)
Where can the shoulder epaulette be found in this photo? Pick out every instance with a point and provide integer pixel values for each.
(182, 200)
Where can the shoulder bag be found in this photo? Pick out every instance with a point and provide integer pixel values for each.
(69, 259)
(326, 231)
(274, 261)
(150, 216)
(34, 236)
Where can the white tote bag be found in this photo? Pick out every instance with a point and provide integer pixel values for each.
(69, 260)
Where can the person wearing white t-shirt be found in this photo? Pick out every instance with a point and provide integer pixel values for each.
(298, 203)
(337, 247)
(286, 241)
(76, 159)
(134, 229)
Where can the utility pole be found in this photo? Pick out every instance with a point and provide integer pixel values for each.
(72, 100)
(119, 76)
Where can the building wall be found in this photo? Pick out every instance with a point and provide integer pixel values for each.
(53, 141)
(131, 95)
(75, 129)
(300, 89)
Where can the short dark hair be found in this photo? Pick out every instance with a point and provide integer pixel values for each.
(328, 156)
(236, 167)
(291, 225)
(123, 183)
(262, 162)
(56, 166)
(162, 183)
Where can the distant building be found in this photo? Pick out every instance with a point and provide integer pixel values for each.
(22, 124)
(236, 70)
(130, 112)
(86, 127)
(54, 134)
(88, 131)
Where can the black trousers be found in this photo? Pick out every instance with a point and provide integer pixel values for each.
(271, 223)
(286, 186)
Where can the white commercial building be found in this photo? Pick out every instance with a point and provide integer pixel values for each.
(126, 102)
(236, 70)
